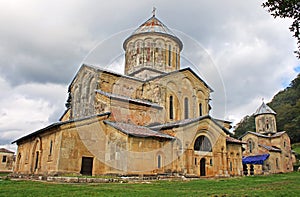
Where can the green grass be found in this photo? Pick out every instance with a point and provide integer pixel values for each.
(272, 185)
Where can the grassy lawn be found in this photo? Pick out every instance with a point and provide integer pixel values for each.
(272, 185)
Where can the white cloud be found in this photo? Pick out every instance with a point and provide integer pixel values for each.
(28, 107)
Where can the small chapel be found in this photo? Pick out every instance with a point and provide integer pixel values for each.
(153, 119)
(267, 151)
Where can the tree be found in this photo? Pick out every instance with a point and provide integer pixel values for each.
(287, 9)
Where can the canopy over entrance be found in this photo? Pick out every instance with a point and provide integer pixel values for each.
(256, 159)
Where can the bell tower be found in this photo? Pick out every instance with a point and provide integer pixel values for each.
(265, 120)
(151, 50)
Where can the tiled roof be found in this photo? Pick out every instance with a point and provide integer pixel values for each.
(233, 140)
(3, 150)
(137, 131)
(126, 98)
(270, 148)
(264, 109)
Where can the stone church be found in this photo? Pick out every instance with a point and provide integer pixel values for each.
(153, 119)
(267, 150)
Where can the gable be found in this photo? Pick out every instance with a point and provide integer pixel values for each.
(187, 74)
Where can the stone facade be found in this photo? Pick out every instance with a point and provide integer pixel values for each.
(152, 120)
(7, 159)
(267, 141)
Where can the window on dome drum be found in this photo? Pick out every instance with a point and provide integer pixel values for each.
(186, 108)
(170, 52)
(200, 109)
(171, 108)
(202, 143)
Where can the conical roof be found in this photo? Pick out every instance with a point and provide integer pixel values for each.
(153, 25)
(264, 109)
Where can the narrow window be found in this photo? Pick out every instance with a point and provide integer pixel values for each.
(158, 161)
(176, 59)
(230, 166)
(195, 161)
(186, 108)
(169, 55)
(277, 163)
(171, 108)
(50, 150)
(251, 146)
(210, 162)
(200, 109)
(36, 160)
(4, 158)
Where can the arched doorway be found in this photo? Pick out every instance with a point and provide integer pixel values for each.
(36, 156)
(202, 167)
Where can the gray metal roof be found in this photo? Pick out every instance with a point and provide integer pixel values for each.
(264, 109)
(270, 148)
(137, 131)
(128, 99)
(278, 134)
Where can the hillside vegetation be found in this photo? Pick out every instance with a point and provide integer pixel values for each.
(286, 104)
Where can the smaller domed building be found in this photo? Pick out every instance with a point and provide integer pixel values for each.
(266, 150)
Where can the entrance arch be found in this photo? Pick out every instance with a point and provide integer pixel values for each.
(202, 167)
(36, 155)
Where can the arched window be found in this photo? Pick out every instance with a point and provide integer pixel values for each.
(171, 107)
(250, 145)
(202, 143)
(158, 161)
(200, 109)
(186, 108)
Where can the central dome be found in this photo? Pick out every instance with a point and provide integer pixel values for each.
(152, 49)
(153, 25)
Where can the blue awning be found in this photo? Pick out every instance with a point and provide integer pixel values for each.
(256, 159)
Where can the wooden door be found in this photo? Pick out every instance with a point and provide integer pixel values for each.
(202, 167)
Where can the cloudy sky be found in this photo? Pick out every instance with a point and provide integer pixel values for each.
(248, 54)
